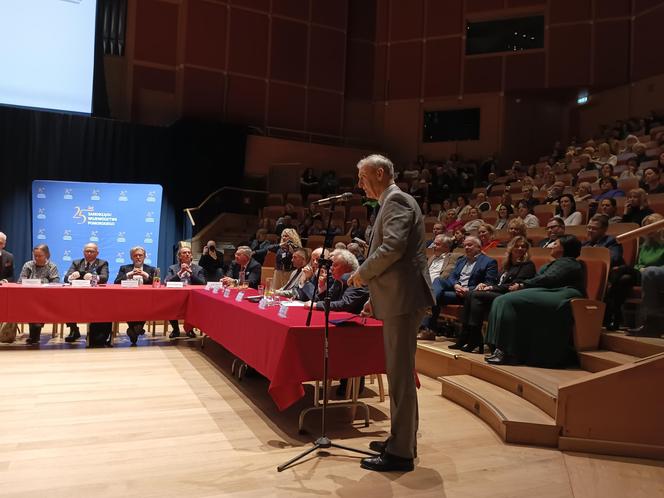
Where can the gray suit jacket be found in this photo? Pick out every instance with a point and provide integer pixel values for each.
(396, 268)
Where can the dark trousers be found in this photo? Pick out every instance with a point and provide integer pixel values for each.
(444, 294)
(476, 307)
(621, 282)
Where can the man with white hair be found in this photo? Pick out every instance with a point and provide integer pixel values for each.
(245, 267)
(471, 269)
(342, 297)
(396, 273)
(6, 262)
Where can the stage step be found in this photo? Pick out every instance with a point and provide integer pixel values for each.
(636, 346)
(596, 361)
(515, 419)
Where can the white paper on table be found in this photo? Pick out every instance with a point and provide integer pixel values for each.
(175, 285)
(80, 283)
(31, 282)
(129, 283)
(293, 304)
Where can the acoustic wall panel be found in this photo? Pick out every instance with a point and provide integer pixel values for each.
(406, 19)
(203, 93)
(363, 18)
(288, 54)
(360, 70)
(483, 74)
(335, 14)
(444, 18)
(248, 42)
(298, 9)
(156, 32)
(162, 80)
(263, 5)
(648, 60)
(327, 49)
(611, 56)
(286, 106)
(525, 71)
(246, 100)
(206, 34)
(324, 112)
(569, 55)
(442, 59)
(483, 5)
(569, 10)
(614, 8)
(405, 70)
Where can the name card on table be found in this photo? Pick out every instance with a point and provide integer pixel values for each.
(129, 283)
(227, 292)
(31, 282)
(283, 311)
(262, 304)
(239, 297)
(175, 285)
(213, 286)
(80, 283)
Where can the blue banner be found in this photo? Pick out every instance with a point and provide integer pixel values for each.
(115, 216)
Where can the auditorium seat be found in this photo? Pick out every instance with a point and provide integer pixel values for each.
(315, 241)
(270, 259)
(273, 212)
(359, 212)
(294, 198)
(275, 200)
(544, 213)
(627, 184)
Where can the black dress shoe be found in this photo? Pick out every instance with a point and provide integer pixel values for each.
(173, 335)
(133, 336)
(457, 345)
(387, 463)
(191, 334)
(470, 348)
(379, 447)
(74, 335)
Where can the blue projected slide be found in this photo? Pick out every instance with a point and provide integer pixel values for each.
(115, 216)
(47, 54)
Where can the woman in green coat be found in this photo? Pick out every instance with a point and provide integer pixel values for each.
(533, 322)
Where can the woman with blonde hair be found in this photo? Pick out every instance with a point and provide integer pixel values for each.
(516, 268)
(485, 233)
(289, 243)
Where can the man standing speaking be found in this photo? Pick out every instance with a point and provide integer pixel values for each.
(400, 290)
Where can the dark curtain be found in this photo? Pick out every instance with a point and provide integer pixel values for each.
(188, 160)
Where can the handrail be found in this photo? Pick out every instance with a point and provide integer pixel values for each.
(190, 210)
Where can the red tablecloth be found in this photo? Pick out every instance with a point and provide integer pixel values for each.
(110, 303)
(283, 349)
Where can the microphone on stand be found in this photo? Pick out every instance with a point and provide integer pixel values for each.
(333, 199)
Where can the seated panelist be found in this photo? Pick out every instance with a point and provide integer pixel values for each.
(84, 269)
(246, 266)
(138, 270)
(189, 273)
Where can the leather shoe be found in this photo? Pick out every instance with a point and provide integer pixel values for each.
(173, 335)
(379, 447)
(191, 334)
(387, 463)
(426, 335)
(74, 335)
(457, 345)
(133, 336)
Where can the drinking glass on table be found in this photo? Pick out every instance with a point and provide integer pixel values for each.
(261, 290)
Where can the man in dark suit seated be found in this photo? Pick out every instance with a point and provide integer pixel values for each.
(189, 273)
(298, 285)
(138, 270)
(342, 297)
(555, 229)
(597, 237)
(244, 269)
(471, 269)
(6, 262)
(84, 269)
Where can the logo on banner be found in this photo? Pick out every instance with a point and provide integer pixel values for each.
(148, 238)
(94, 237)
(121, 237)
(119, 258)
(41, 234)
(66, 256)
(41, 214)
(123, 196)
(41, 193)
(151, 197)
(148, 260)
(80, 214)
(95, 195)
(67, 194)
(93, 218)
(66, 235)
(149, 217)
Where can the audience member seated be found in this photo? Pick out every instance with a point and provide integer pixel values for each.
(459, 235)
(308, 183)
(358, 250)
(367, 231)
(473, 221)
(188, 273)
(84, 269)
(623, 278)
(608, 187)
(555, 229)
(290, 240)
(42, 268)
(533, 322)
(567, 210)
(138, 270)
(597, 237)
(471, 269)
(636, 206)
(485, 233)
(517, 268)
(524, 213)
(285, 223)
(438, 229)
(463, 207)
(355, 229)
(554, 193)
(584, 192)
(6, 262)
(451, 223)
(630, 142)
(503, 218)
(506, 201)
(605, 171)
(528, 197)
(631, 170)
(604, 156)
(609, 207)
(651, 181)
(440, 264)
(650, 317)
(640, 150)
(212, 262)
(244, 270)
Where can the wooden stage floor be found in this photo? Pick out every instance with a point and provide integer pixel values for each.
(166, 419)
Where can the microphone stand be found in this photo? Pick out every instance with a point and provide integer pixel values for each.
(323, 442)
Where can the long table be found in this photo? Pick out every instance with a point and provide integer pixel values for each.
(284, 350)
